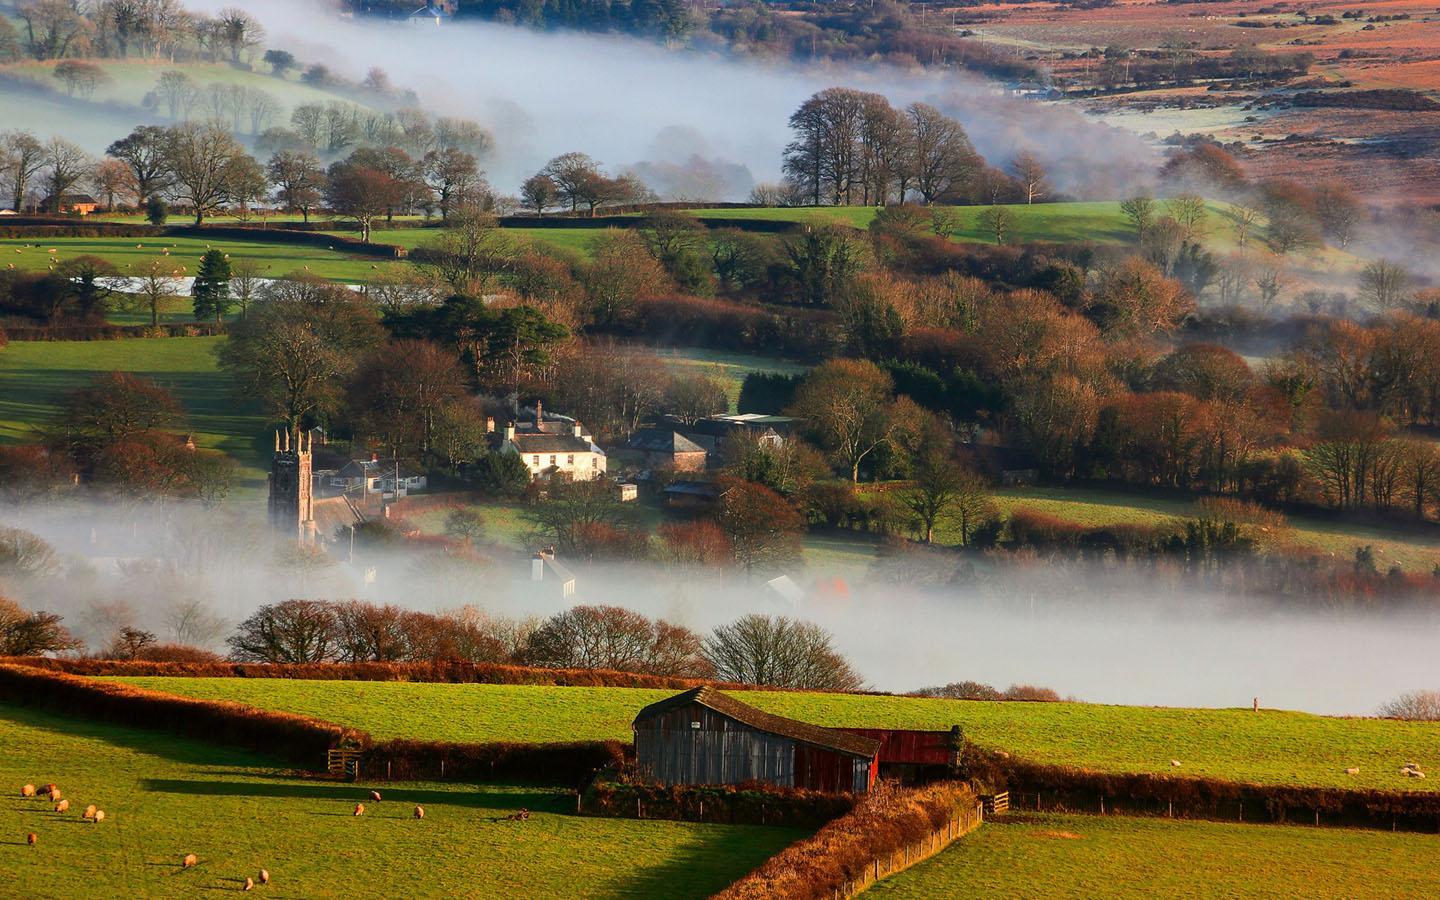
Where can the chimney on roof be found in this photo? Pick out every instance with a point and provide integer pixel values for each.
(579, 432)
(510, 432)
(539, 416)
(489, 424)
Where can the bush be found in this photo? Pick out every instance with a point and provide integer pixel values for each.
(1040, 531)
(1416, 706)
(961, 690)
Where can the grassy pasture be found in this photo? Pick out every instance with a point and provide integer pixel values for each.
(132, 79)
(1055, 856)
(1273, 747)
(34, 373)
(728, 368)
(1413, 550)
(132, 254)
(575, 240)
(165, 797)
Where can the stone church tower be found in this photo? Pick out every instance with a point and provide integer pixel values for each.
(292, 501)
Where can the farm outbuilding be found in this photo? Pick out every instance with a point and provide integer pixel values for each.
(706, 737)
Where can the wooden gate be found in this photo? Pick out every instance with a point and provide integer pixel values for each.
(996, 803)
(343, 763)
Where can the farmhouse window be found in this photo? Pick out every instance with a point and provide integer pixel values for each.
(552, 459)
(570, 460)
(537, 459)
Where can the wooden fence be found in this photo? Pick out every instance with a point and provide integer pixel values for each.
(996, 803)
(964, 820)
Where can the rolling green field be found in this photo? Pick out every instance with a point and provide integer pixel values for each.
(1413, 550)
(728, 368)
(1063, 856)
(132, 254)
(577, 240)
(131, 79)
(1271, 747)
(165, 797)
(33, 373)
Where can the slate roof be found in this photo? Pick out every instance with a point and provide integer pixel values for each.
(532, 442)
(662, 440)
(744, 713)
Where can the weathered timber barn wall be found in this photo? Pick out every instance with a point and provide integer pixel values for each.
(720, 751)
(704, 737)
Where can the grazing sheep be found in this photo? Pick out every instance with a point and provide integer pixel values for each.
(419, 812)
(27, 790)
(249, 884)
(359, 809)
(264, 876)
(99, 816)
(55, 795)
(62, 806)
(1352, 770)
(90, 811)
(189, 860)
(48, 789)
(31, 838)
(375, 796)
(1175, 763)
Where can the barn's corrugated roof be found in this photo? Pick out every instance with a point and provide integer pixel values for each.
(746, 714)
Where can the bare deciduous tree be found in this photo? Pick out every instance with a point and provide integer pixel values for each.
(778, 651)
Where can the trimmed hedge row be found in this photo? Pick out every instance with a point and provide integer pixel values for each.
(1070, 788)
(844, 853)
(301, 739)
(748, 804)
(572, 764)
(111, 332)
(20, 229)
(298, 739)
(443, 672)
(288, 236)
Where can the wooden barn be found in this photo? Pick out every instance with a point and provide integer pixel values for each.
(705, 737)
(912, 756)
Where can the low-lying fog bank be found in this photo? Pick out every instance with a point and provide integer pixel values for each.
(189, 573)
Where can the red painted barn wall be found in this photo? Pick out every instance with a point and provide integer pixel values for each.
(898, 745)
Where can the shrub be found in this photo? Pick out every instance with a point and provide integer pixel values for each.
(1418, 706)
(961, 690)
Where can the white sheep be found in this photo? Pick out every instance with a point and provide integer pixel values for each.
(99, 816)
(189, 861)
(62, 806)
(90, 811)
(419, 812)
(375, 796)
(27, 790)
(249, 884)
(359, 809)
(1175, 763)
(31, 838)
(264, 876)
(1352, 770)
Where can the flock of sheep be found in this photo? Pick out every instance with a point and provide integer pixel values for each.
(190, 860)
(62, 806)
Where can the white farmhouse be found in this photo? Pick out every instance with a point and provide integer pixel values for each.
(554, 445)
